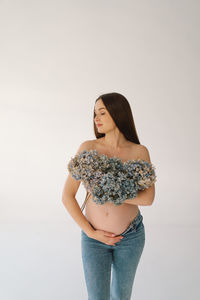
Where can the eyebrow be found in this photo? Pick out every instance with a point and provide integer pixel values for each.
(101, 108)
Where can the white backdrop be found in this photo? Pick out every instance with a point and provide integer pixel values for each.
(56, 58)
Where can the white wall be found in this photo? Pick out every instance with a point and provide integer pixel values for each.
(56, 58)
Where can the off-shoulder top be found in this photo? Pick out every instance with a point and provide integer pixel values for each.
(109, 179)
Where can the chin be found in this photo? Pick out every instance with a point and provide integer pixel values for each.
(101, 131)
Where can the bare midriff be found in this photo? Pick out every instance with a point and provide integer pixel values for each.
(109, 217)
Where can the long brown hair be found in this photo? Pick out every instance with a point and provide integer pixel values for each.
(120, 111)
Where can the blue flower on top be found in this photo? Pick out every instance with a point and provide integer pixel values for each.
(109, 179)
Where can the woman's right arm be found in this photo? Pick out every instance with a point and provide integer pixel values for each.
(69, 200)
(73, 208)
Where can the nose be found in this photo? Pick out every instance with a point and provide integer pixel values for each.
(96, 118)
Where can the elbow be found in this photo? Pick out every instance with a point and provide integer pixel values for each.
(150, 201)
(151, 198)
(67, 198)
(63, 199)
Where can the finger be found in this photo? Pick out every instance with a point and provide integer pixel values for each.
(111, 244)
(106, 233)
(118, 238)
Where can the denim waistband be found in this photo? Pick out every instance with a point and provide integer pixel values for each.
(133, 223)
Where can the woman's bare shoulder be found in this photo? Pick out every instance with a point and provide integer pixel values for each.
(86, 145)
(143, 152)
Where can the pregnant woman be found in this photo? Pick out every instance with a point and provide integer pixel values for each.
(118, 176)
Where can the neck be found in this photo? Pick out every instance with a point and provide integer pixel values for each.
(114, 140)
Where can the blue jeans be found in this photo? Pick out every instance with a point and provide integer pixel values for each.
(98, 258)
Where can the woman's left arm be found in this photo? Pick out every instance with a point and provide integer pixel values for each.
(144, 197)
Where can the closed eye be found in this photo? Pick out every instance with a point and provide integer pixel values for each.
(101, 114)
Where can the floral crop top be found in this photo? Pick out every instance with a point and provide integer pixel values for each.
(108, 178)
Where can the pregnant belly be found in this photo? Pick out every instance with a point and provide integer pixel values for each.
(109, 217)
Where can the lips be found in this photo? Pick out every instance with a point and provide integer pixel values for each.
(99, 125)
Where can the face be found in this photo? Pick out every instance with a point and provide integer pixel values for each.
(103, 120)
